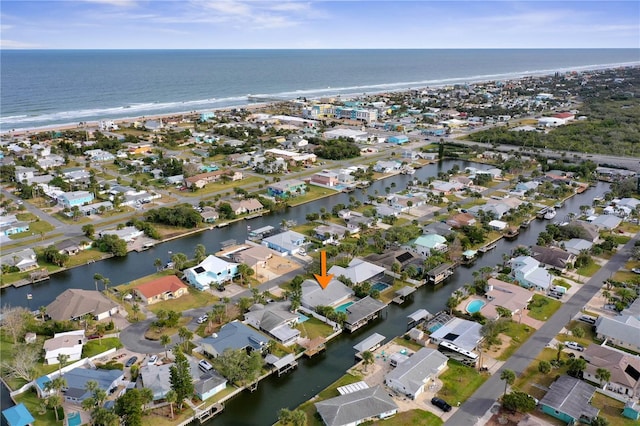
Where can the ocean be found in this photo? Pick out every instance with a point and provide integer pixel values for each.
(41, 88)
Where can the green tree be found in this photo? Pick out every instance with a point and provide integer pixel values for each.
(576, 366)
(135, 308)
(179, 261)
(62, 360)
(180, 377)
(200, 253)
(544, 367)
(165, 340)
(599, 421)
(603, 375)
(509, 377)
(158, 264)
(518, 401)
(171, 397)
(185, 336)
(367, 359)
(89, 230)
(96, 278)
(129, 407)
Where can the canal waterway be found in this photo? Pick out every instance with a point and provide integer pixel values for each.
(312, 375)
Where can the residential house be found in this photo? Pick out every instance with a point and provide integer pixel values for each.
(605, 222)
(128, 233)
(286, 243)
(74, 304)
(161, 289)
(275, 319)
(424, 244)
(69, 344)
(569, 399)
(211, 270)
(332, 232)
(14, 228)
(621, 330)
(577, 245)
(403, 257)
(99, 155)
(527, 186)
(18, 415)
(77, 379)
(157, 377)
(24, 174)
(630, 203)
(209, 384)
(440, 228)
(358, 271)
(527, 271)
(590, 232)
(356, 135)
(96, 208)
(234, 335)
(504, 295)
(209, 214)
(495, 210)
(287, 188)
(332, 295)
(72, 246)
(247, 206)
(75, 198)
(498, 225)
(462, 333)
(461, 219)
(398, 139)
(387, 166)
(293, 158)
(324, 178)
(256, 256)
(24, 260)
(631, 410)
(357, 407)
(553, 257)
(410, 377)
(202, 179)
(624, 369)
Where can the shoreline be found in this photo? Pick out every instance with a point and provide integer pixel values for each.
(406, 86)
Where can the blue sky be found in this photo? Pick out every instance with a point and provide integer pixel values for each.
(264, 24)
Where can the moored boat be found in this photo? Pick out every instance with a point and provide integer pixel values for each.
(550, 214)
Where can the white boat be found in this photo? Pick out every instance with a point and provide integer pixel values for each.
(550, 214)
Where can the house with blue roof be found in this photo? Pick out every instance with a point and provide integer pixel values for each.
(287, 188)
(209, 385)
(424, 244)
(18, 415)
(233, 335)
(398, 139)
(287, 243)
(211, 271)
(75, 198)
(528, 273)
(77, 380)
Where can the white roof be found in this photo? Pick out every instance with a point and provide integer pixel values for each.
(358, 270)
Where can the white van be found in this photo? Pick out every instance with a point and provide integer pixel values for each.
(205, 366)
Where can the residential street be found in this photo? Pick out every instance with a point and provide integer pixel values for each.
(475, 407)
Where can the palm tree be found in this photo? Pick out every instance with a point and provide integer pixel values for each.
(106, 282)
(185, 336)
(135, 308)
(367, 359)
(171, 397)
(43, 311)
(603, 375)
(55, 400)
(146, 395)
(200, 253)
(62, 360)
(157, 263)
(164, 341)
(509, 377)
(96, 278)
(560, 348)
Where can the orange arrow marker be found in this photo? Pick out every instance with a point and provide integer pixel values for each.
(323, 278)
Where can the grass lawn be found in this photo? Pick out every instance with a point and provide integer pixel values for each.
(413, 418)
(313, 328)
(6, 354)
(329, 392)
(313, 193)
(154, 333)
(531, 376)
(35, 228)
(542, 307)
(195, 299)
(26, 217)
(85, 256)
(589, 332)
(610, 409)
(407, 344)
(95, 347)
(519, 334)
(32, 402)
(589, 269)
(459, 382)
(214, 187)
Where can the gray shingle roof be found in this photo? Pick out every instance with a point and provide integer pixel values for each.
(623, 328)
(413, 373)
(571, 396)
(356, 406)
(73, 303)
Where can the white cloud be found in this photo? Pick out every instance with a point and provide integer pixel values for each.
(119, 3)
(13, 44)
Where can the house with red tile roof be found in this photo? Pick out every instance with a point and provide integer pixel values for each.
(165, 288)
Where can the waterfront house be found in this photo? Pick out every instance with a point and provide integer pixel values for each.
(461, 219)
(209, 384)
(24, 260)
(505, 295)
(357, 407)
(410, 377)
(576, 245)
(569, 399)
(77, 379)
(624, 369)
(361, 312)
(275, 319)
(621, 330)
(287, 188)
(460, 332)
(528, 273)
(247, 206)
(358, 271)
(161, 289)
(324, 178)
(156, 378)
(286, 243)
(18, 415)
(332, 232)
(527, 186)
(128, 233)
(424, 244)
(313, 295)
(75, 198)
(74, 304)
(606, 222)
(69, 344)
(72, 246)
(589, 231)
(498, 225)
(387, 166)
(234, 335)
(209, 214)
(553, 257)
(211, 271)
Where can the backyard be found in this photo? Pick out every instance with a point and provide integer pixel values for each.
(459, 382)
(542, 307)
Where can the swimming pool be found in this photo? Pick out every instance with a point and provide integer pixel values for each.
(343, 307)
(74, 419)
(380, 286)
(475, 306)
(302, 317)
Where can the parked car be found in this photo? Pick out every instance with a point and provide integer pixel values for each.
(203, 319)
(636, 270)
(441, 404)
(205, 366)
(131, 361)
(574, 345)
(152, 359)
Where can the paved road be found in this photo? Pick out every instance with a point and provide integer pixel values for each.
(482, 400)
